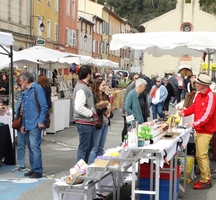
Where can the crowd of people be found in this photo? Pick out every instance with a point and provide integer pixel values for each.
(92, 115)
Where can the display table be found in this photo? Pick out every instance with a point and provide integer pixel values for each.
(101, 181)
(60, 117)
(118, 98)
(130, 156)
(7, 119)
(6, 148)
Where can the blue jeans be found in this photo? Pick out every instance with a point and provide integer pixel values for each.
(158, 109)
(85, 134)
(34, 143)
(22, 138)
(97, 143)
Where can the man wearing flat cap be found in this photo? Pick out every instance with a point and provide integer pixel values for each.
(204, 124)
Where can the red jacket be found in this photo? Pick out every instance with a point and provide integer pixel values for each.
(204, 110)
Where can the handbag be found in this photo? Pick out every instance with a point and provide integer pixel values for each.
(47, 120)
(17, 123)
(97, 122)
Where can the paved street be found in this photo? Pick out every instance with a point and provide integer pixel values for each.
(59, 155)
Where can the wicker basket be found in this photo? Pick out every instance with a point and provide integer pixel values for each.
(2, 111)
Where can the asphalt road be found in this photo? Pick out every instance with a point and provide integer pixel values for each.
(59, 155)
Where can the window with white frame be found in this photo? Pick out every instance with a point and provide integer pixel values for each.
(99, 47)
(73, 9)
(48, 29)
(56, 5)
(94, 44)
(101, 28)
(73, 38)
(70, 37)
(55, 32)
(68, 8)
(102, 47)
(98, 27)
(49, 2)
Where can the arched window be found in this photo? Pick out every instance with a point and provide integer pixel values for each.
(186, 27)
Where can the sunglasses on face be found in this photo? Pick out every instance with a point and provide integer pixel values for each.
(158, 81)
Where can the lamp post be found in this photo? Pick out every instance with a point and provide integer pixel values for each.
(41, 26)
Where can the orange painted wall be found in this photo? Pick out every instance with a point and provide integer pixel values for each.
(67, 22)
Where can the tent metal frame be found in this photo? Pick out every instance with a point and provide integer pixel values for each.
(10, 55)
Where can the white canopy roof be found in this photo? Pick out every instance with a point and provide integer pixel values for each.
(41, 53)
(6, 39)
(17, 58)
(166, 43)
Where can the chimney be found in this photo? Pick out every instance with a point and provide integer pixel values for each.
(96, 1)
(113, 9)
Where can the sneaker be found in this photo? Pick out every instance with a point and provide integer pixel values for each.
(202, 186)
(35, 175)
(19, 169)
(29, 173)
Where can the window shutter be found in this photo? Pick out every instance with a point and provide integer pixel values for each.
(74, 38)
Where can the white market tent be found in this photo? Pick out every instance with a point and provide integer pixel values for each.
(6, 39)
(168, 43)
(5, 61)
(38, 53)
(78, 59)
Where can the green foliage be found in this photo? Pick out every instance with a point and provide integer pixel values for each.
(5, 70)
(140, 11)
(145, 133)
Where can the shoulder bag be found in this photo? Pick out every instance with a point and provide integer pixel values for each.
(47, 120)
(17, 123)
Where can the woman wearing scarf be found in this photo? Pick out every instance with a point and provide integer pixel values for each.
(156, 98)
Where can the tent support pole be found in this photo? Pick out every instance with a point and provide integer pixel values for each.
(12, 104)
(209, 59)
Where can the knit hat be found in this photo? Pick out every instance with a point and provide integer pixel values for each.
(204, 79)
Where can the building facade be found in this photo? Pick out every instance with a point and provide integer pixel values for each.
(186, 17)
(14, 18)
(67, 32)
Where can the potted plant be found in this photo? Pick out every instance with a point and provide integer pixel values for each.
(144, 135)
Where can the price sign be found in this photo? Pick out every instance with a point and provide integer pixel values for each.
(130, 118)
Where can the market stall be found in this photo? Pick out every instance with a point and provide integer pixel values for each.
(161, 151)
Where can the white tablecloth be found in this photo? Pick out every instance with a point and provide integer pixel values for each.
(60, 116)
(6, 119)
(169, 145)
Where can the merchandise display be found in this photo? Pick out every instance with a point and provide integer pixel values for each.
(118, 159)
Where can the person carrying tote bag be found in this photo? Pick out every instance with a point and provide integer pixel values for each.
(21, 138)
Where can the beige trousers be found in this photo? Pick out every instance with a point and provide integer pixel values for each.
(202, 146)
